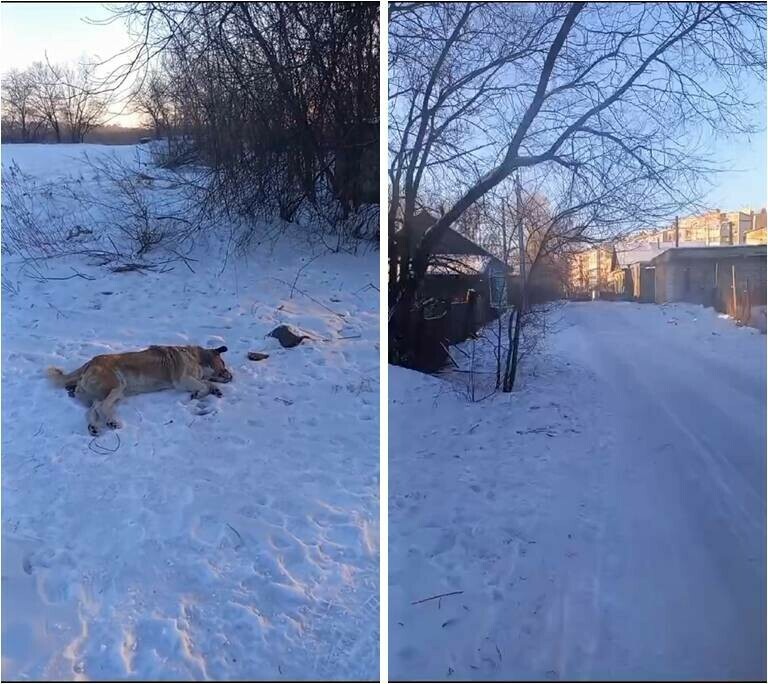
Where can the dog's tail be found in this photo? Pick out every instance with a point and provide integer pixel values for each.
(61, 379)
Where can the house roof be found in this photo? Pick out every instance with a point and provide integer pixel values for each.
(452, 246)
(458, 264)
(712, 252)
(628, 252)
(633, 254)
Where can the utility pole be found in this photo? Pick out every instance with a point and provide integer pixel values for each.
(520, 237)
(504, 241)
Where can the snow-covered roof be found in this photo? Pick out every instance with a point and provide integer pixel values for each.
(458, 264)
(713, 252)
(637, 253)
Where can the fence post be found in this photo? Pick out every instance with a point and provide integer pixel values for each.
(733, 287)
(747, 304)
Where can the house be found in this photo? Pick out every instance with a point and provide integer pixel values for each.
(709, 229)
(632, 274)
(458, 266)
(463, 289)
(756, 233)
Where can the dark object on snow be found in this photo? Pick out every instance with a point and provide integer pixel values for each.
(78, 231)
(288, 337)
(257, 356)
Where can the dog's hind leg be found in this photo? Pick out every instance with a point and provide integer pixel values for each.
(106, 408)
(93, 419)
(103, 388)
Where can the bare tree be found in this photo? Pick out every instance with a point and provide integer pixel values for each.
(67, 100)
(84, 105)
(609, 93)
(153, 99)
(20, 109)
(279, 101)
(48, 96)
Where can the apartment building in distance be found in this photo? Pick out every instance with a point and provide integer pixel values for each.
(594, 270)
(714, 228)
(590, 269)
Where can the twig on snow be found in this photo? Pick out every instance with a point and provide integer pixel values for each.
(436, 596)
(40, 277)
(308, 296)
(298, 273)
(242, 543)
(94, 446)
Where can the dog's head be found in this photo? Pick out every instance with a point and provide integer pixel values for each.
(214, 368)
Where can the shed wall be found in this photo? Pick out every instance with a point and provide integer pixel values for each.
(704, 281)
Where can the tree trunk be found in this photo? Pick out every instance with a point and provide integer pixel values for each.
(509, 381)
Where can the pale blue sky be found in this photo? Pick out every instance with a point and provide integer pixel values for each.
(30, 29)
(745, 184)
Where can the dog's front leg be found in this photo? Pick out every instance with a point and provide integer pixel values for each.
(199, 388)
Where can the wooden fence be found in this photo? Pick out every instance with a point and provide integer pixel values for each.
(740, 301)
(437, 323)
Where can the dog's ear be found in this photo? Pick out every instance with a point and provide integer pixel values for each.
(220, 350)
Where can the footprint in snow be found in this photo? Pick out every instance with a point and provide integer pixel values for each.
(53, 588)
(280, 540)
(37, 559)
(207, 530)
(203, 408)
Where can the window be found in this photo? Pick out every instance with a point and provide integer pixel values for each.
(498, 290)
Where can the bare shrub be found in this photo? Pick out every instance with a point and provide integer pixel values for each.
(480, 361)
(34, 223)
(279, 103)
(138, 206)
(117, 211)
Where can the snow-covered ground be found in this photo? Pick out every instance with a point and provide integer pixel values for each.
(231, 538)
(604, 522)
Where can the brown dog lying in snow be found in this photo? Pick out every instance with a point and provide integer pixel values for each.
(105, 379)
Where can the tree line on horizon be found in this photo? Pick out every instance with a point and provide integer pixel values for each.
(48, 102)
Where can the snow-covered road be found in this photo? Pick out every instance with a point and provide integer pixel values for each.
(608, 522)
